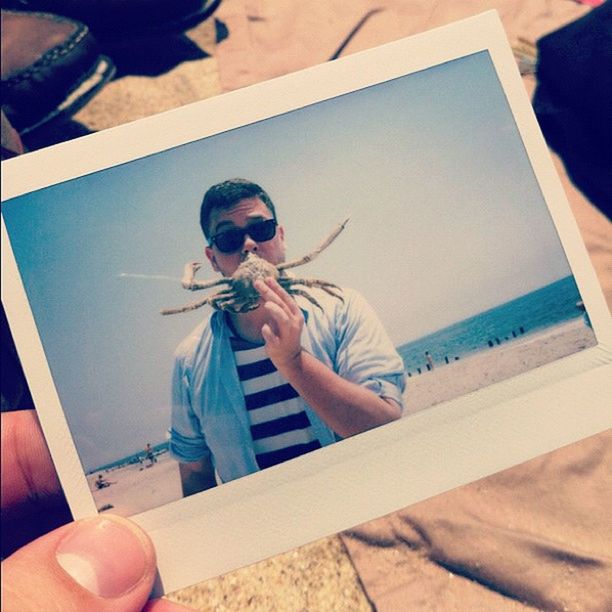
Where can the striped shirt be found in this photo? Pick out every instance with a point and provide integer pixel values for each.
(280, 427)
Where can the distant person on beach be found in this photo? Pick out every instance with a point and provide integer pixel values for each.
(150, 455)
(430, 363)
(102, 483)
(251, 390)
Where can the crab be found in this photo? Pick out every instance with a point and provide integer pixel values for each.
(239, 295)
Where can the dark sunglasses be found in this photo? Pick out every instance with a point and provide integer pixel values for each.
(231, 240)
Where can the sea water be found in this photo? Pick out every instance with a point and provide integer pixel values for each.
(548, 306)
(136, 458)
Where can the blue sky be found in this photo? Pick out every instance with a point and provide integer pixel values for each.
(447, 220)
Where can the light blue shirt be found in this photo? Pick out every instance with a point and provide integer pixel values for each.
(209, 416)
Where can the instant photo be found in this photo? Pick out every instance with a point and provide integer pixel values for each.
(424, 188)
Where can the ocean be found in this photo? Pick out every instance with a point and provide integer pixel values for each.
(548, 306)
(131, 459)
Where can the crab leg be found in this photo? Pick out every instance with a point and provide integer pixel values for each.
(211, 299)
(288, 283)
(188, 281)
(187, 308)
(305, 295)
(234, 304)
(308, 258)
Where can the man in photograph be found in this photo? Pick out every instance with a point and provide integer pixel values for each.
(253, 389)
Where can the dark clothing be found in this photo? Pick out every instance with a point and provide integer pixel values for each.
(573, 101)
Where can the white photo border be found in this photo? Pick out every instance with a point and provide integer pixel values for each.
(384, 469)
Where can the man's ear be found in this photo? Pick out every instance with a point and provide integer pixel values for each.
(211, 257)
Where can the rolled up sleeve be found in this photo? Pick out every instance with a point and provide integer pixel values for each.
(187, 442)
(365, 354)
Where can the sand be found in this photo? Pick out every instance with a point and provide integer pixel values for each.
(135, 96)
(317, 576)
(474, 372)
(137, 488)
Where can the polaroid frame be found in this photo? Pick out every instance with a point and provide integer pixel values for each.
(381, 470)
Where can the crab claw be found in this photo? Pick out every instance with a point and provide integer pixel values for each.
(189, 273)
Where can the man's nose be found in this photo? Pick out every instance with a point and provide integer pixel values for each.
(249, 245)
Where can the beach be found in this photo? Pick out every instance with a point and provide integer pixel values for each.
(446, 382)
(136, 488)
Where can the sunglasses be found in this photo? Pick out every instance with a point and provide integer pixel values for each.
(230, 241)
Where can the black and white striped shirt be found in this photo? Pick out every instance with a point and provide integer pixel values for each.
(280, 427)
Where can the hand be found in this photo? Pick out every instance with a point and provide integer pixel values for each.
(103, 563)
(282, 332)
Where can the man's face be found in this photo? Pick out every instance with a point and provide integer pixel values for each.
(241, 216)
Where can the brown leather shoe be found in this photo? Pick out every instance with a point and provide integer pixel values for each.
(51, 66)
(112, 19)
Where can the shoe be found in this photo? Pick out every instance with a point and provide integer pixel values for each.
(12, 145)
(51, 66)
(113, 19)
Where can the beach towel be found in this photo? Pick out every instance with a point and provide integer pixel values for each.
(268, 38)
(538, 535)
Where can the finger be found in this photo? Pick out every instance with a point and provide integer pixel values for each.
(99, 564)
(278, 321)
(278, 313)
(164, 605)
(27, 470)
(271, 291)
(268, 335)
(287, 300)
(268, 294)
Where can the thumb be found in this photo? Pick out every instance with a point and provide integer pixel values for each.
(103, 563)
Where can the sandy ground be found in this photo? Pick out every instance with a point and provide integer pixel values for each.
(496, 364)
(318, 576)
(137, 488)
(135, 96)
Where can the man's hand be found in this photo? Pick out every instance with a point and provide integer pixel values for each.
(346, 407)
(283, 331)
(102, 563)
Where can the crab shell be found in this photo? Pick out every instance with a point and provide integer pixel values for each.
(243, 279)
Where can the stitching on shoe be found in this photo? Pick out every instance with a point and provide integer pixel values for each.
(56, 112)
(50, 56)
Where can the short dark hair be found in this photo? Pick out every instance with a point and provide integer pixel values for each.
(227, 194)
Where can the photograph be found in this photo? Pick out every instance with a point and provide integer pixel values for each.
(248, 307)
(438, 271)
